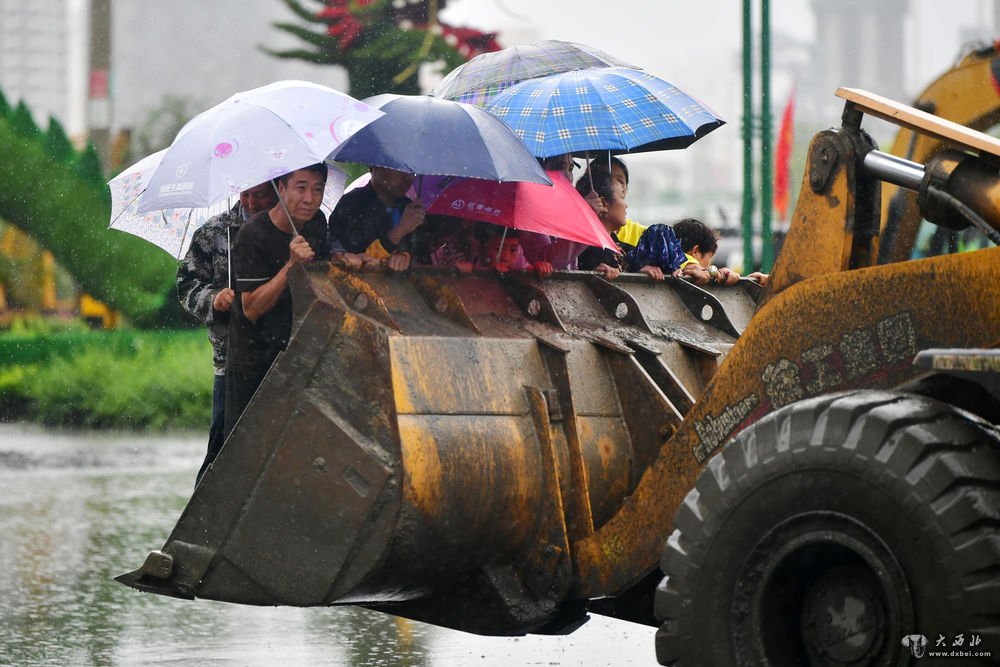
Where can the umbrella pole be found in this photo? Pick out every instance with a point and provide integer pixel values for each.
(503, 237)
(229, 259)
(187, 227)
(163, 217)
(284, 208)
(590, 176)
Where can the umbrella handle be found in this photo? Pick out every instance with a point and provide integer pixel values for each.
(284, 208)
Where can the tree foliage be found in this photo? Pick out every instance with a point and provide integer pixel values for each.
(58, 196)
(381, 43)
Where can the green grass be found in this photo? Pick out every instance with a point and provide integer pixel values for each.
(118, 379)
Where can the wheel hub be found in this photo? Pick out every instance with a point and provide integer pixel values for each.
(843, 617)
(820, 588)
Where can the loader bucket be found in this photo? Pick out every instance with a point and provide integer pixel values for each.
(433, 445)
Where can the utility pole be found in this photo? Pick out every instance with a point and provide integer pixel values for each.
(766, 170)
(747, 132)
(99, 79)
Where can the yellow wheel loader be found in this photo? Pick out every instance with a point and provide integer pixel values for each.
(806, 473)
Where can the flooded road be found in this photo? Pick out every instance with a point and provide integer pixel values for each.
(77, 509)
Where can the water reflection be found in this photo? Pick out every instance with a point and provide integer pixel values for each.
(76, 509)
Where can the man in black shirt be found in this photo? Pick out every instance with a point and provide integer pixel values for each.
(266, 248)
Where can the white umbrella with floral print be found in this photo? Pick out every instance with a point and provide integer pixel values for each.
(171, 229)
(250, 138)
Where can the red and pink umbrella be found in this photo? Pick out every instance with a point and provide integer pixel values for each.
(556, 210)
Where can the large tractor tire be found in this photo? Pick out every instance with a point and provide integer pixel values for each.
(836, 532)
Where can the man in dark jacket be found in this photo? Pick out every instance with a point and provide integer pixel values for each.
(204, 291)
(378, 219)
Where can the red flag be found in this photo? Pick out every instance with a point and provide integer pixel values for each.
(782, 157)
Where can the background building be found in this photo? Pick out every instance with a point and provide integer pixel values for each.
(860, 44)
(42, 52)
(188, 49)
(202, 51)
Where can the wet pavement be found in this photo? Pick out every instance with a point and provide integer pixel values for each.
(78, 508)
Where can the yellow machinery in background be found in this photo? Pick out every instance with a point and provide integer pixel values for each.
(967, 94)
(96, 313)
(38, 278)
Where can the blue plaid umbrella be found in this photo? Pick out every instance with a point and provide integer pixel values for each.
(488, 74)
(608, 109)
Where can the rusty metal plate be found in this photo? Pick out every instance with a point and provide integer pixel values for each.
(332, 483)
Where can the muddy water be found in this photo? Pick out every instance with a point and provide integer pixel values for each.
(76, 509)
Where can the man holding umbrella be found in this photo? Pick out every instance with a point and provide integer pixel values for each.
(266, 249)
(204, 291)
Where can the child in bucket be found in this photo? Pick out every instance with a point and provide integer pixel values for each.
(452, 242)
(700, 243)
(501, 249)
(685, 250)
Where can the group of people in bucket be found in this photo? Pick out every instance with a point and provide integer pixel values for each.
(276, 225)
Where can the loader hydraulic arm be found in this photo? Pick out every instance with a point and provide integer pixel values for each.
(967, 94)
(836, 221)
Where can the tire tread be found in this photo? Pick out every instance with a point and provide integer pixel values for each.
(945, 461)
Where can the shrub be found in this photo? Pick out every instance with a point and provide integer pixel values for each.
(126, 379)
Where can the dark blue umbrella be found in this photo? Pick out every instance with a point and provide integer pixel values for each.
(612, 109)
(430, 136)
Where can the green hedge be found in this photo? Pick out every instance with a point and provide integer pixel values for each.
(59, 197)
(118, 379)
